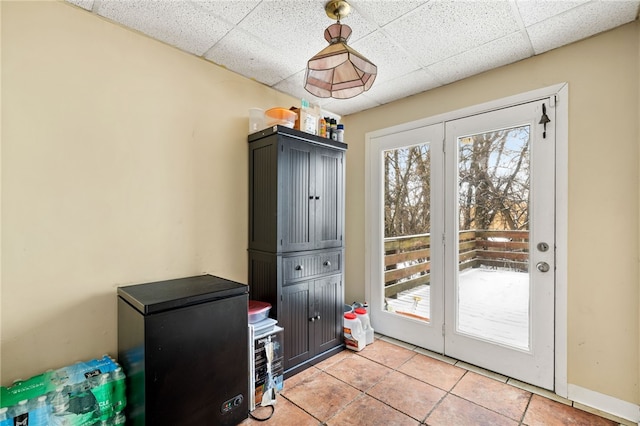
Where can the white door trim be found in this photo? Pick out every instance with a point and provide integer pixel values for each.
(561, 92)
(562, 237)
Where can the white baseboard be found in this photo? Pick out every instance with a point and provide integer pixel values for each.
(606, 403)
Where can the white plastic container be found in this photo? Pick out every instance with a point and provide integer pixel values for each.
(363, 316)
(256, 120)
(354, 337)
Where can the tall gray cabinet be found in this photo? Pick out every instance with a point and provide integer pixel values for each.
(296, 248)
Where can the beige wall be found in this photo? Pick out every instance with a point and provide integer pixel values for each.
(603, 308)
(123, 161)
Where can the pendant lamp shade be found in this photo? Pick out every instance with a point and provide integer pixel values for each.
(338, 71)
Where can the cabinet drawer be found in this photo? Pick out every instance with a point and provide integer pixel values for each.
(311, 265)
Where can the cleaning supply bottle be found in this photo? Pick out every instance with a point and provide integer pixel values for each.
(322, 127)
(333, 129)
(354, 337)
(340, 133)
(363, 316)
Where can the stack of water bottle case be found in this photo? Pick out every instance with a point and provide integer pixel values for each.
(85, 393)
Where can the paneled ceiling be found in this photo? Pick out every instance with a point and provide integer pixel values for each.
(417, 45)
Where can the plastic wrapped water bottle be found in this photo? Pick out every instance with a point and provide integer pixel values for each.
(60, 400)
(40, 412)
(102, 389)
(119, 396)
(21, 413)
(60, 406)
(82, 400)
(5, 420)
(119, 419)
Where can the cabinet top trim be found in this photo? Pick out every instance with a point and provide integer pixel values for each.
(297, 134)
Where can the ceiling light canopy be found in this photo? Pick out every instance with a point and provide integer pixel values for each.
(338, 71)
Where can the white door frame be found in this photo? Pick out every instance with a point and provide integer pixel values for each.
(560, 92)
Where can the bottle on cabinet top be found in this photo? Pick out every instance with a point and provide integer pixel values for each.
(340, 133)
(322, 127)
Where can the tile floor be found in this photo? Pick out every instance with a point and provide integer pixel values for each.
(391, 383)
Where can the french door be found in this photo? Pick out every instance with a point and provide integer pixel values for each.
(466, 238)
(407, 285)
(500, 242)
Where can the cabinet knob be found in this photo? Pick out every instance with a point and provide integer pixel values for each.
(299, 268)
(317, 198)
(327, 263)
(312, 319)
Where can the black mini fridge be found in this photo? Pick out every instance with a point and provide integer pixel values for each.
(183, 345)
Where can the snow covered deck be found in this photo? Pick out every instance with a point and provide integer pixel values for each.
(493, 304)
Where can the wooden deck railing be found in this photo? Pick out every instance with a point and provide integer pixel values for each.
(407, 260)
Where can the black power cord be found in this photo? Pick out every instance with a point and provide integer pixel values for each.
(273, 409)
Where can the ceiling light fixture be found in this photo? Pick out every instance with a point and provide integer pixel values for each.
(338, 71)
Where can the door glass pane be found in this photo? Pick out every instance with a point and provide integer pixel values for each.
(493, 242)
(407, 239)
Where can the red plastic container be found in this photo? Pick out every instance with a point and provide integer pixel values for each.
(258, 311)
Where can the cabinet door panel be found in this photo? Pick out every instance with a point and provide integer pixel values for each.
(329, 192)
(329, 306)
(263, 199)
(296, 320)
(298, 196)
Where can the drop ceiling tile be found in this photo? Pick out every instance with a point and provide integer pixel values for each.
(534, 11)
(443, 29)
(391, 61)
(287, 23)
(85, 4)
(383, 12)
(247, 55)
(360, 25)
(401, 87)
(350, 106)
(581, 22)
(179, 24)
(272, 40)
(497, 53)
(232, 11)
(283, 23)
